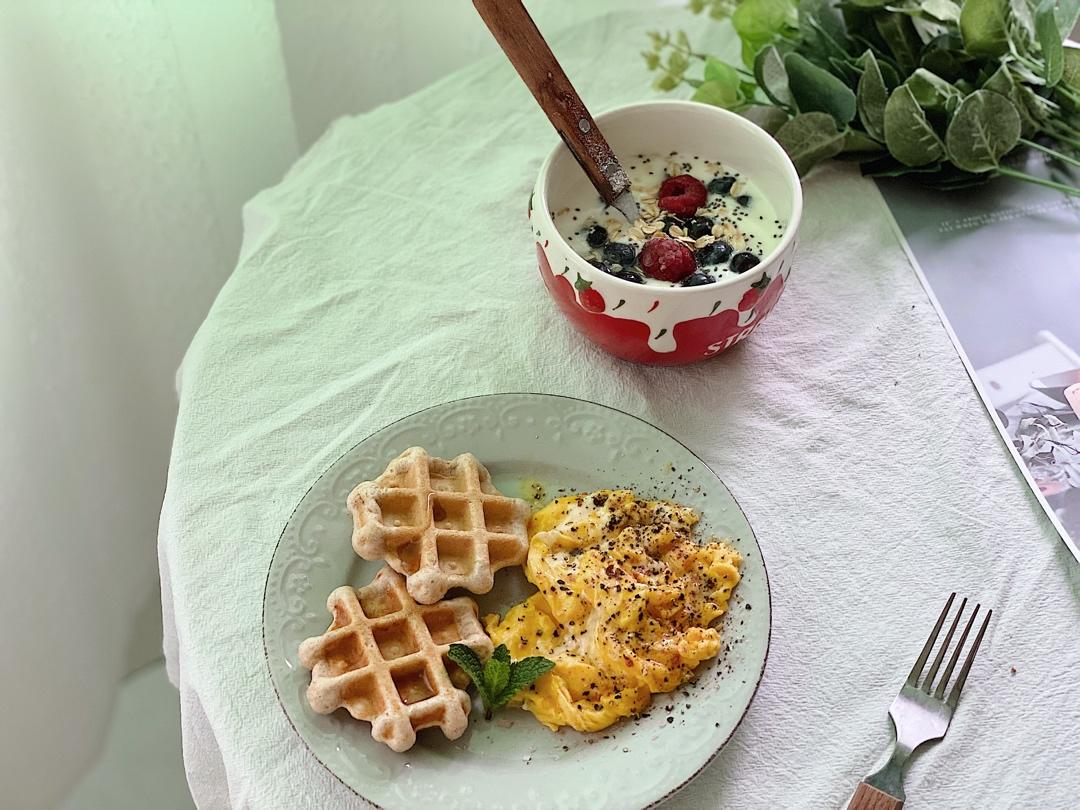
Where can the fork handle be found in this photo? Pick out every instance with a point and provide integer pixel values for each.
(868, 797)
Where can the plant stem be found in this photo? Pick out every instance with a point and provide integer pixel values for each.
(1064, 138)
(1052, 152)
(1027, 178)
(1062, 90)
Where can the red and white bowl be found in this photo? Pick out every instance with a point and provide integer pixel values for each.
(668, 325)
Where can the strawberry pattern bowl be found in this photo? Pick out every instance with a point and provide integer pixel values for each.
(643, 319)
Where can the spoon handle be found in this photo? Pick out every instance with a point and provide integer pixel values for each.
(530, 55)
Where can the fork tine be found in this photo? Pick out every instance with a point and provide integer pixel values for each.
(913, 678)
(940, 693)
(954, 695)
(928, 683)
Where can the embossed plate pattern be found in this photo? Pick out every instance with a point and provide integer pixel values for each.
(563, 444)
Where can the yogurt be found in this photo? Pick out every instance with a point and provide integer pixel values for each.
(728, 234)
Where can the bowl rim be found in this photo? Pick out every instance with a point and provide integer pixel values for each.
(725, 118)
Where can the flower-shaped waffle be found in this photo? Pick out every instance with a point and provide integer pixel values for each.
(383, 659)
(440, 523)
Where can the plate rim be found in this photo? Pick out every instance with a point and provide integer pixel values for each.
(764, 567)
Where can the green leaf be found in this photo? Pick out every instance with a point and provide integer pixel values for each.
(765, 116)
(1070, 79)
(943, 62)
(750, 48)
(522, 674)
(824, 15)
(772, 77)
(722, 86)
(984, 129)
(984, 27)
(500, 653)
(717, 71)
(717, 94)
(860, 142)
(1070, 73)
(817, 90)
(944, 10)
(890, 74)
(901, 37)
(468, 660)
(1001, 81)
(496, 676)
(810, 138)
(763, 19)
(677, 63)
(871, 96)
(1068, 15)
(665, 82)
(908, 134)
(870, 3)
(1046, 31)
(822, 29)
(932, 92)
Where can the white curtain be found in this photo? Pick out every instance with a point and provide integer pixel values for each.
(131, 133)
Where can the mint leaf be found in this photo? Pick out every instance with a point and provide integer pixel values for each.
(496, 676)
(522, 673)
(469, 661)
(498, 679)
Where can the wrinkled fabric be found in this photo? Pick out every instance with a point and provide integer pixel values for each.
(393, 269)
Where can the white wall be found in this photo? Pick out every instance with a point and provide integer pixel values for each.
(346, 56)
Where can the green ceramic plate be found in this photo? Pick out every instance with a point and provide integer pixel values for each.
(563, 444)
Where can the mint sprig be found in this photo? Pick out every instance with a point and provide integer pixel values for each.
(498, 679)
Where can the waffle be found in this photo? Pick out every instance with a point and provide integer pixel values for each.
(440, 523)
(383, 658)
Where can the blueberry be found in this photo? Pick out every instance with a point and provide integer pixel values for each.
(596, 236)
(721, 185)
(630, 275)
(620, 253)
(743, 200)
(599, 265)
(696, 279)
(696, 227)
(715, 253)
(741, 262)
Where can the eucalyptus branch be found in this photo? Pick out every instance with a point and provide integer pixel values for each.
(829, 84)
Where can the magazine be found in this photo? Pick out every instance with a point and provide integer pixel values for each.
(1001, 262)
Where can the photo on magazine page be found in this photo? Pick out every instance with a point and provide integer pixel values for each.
(1002, 263)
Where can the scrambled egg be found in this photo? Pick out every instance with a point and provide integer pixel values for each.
(626, 598)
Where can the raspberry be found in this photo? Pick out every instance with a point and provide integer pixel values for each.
(666, 259)
(682, 195)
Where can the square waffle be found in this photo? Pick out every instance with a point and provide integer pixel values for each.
(383, 659)
(440, 523)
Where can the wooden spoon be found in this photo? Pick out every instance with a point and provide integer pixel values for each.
(530, 55)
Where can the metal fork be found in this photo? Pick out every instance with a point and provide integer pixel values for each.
(921, 712)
